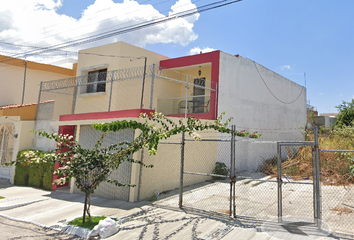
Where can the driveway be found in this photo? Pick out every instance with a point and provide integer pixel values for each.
(29, 213)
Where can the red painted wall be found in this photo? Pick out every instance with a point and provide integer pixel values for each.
(211, 57)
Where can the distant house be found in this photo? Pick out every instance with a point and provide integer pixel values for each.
(19, 88)
(20, 80)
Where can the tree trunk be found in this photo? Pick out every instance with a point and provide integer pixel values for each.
(88, 206)
(85, 207)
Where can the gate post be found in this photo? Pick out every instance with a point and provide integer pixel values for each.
(181, 173)
(279, 180)
(232, 174)
(316, 177)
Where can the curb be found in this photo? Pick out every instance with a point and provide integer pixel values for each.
(20, 204)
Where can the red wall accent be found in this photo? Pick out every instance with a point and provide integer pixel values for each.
(214, 59)
(105, 115)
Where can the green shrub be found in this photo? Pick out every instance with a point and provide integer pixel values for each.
(21, 174)
(31, 170)
(48, 176)
(36, 172)
(220, 169)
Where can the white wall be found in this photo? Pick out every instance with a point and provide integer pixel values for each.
(244, 96)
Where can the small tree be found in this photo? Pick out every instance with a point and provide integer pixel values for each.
(346, 114)
(90, 167)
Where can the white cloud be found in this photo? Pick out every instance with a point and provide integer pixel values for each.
(197, 50)
(36, 23)
(285, 67)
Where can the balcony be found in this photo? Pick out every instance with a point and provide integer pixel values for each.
(169, 92)
(183, 105)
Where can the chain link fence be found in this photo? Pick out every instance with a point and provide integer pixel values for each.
(88, 138)
(297, 191)
(163, 180)
(337, 194)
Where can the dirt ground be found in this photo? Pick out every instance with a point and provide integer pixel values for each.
(11, 230)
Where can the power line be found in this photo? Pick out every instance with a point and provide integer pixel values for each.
(50, 26)
(134, 27)
(107, 19)
(302, 89)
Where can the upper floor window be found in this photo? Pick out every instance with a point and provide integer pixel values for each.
(96, 81)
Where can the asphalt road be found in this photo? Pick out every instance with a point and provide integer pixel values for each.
(11, 230)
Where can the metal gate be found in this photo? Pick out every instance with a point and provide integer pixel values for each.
(261, 197)
(298, 194)
(201, 187)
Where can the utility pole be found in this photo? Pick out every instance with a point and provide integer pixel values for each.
(24, 83)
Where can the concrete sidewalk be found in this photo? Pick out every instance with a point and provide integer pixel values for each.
(142, 220)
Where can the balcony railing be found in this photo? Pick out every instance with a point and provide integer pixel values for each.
(163, 90)
(183, 105)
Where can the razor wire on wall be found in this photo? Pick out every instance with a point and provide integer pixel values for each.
(163, 90)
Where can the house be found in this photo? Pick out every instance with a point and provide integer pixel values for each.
(20, 79)
(19, 88)
(119, 81)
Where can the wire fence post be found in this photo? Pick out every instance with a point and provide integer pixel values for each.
(152, 85)
(186, 109)
(279, 181)
(216, 100)
(143, 85)
(317, 199)
(39, 100)
(233, 175)
(110, 92)
(181, 173)
(75, 95)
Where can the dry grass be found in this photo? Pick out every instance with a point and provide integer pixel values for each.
(336, 168)
(341, 210)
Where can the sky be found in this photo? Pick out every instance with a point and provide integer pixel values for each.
(308, 42)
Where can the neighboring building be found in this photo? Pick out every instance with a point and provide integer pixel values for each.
(17, 75)
(16, 121)
(20, 82)
(331, 115)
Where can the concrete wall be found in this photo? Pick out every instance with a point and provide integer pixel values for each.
(244, 96)
(43, 123)
(124, 52)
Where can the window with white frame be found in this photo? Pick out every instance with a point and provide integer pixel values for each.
(96, 81)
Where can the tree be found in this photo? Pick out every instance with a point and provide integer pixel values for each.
(346, 114)
(90, 167)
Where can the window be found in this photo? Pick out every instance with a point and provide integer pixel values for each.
(96, 81)
(198, 90)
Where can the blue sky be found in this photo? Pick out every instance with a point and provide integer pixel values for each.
(289, 37)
